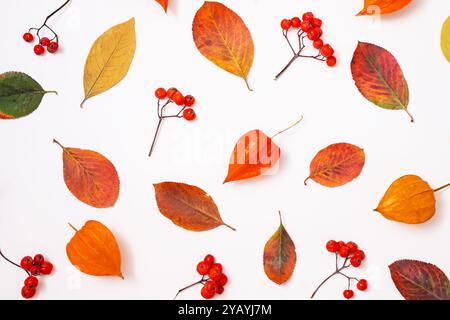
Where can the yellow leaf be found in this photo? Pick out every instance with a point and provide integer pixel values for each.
(109, 59)
(445, 39)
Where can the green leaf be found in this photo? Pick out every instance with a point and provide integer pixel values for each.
(445, 39)
(20, 95)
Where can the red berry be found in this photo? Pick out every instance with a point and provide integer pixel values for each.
(53, 47)
(31, 282)
(38, 259)
(332, 246)
(318, 44)
(215, 274)
(306, 26)
(313, 35)
(35, 270)
(285, 24)
(308, 16)
(171, 92)
(327, 51)
(189, 114)
(343, 252)
(189, 100)
(355, 262)
(178, 98)
(203, 268)
(26, 262)
(28, 37)
(296, 22)
(341, 244)
(206, 294)
(209, 259)
(352, 247)
(211, 286)
(46, 268)
(319, 31)
(223, 280)
(220, 290)
(362, 284)
(331, 61)
(348, 294)
(359, 254)
(316, 22)
(38, 49)
(218, 266)
(160, 93)
(45, 41)
(28, 293)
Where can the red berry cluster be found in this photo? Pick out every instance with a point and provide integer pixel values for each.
(166, 97)
(353, 257)
(308, 27)
(213, 279)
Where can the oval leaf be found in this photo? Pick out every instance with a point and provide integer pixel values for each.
(90, 177)
(253, 154)
(337, 165)
(109, 59)
(418, 280)
(379, 78)
(445, 39)
(164, 4)
(279, 256)
(224, 39)
(20, 95)
(188, 206)
(94, 251)
(372, 7)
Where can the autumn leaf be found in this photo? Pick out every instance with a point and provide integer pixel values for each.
(445, 39)
(20, 95)
(417, 280)
(94, 250)
(90, 177)
(224, 39)
(372, 7)
(379, 78)
(279, 256)
(188, 206)
(164, 4)
(337, 165)
(109, 59)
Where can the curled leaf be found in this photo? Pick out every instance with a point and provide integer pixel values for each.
(279, 256)
(379, 78)
(164, 4)
(109, 59)
(188, 206)
(372, 7)
(417, 280)
(445, 39)
(90, 177)
(223, 38)
(20, 95)
(94, 250)
(337, 165)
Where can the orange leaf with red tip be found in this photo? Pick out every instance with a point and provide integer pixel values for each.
(372, 7)
(164, 4)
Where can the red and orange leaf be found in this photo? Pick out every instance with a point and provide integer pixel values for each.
(372, 7)
(223, 38)
(90, 177)
(337, 165)
(279, 256)
(417, 280)
(379, 77)
(94, 250)
(164, 4)
(253, 155)
(188, 206)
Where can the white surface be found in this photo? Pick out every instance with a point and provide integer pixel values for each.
(158, 257)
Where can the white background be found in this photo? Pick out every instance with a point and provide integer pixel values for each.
(158, 257)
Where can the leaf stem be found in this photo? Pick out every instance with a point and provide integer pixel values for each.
(290, 127)
(228, 226)
(70, 225)
(441, 188)
(247, 84)
(409, 114)
(13, 263)
(59, 144)
(281, 219)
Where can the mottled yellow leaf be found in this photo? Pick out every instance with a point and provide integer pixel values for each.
(445, 39)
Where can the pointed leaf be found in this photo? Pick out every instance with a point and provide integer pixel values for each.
(445, 39)
(187, 206)
(337, 165)
(109, 59)
(164, 4)
(223, 38)
(382, 6)
(417, 280)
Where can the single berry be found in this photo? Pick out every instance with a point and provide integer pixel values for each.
(217, 266)
(28, 293)
(316, 22)
(296, 22)
(38, 49)
(285, 24)
(189, 100)
(352, 247)
(178, 98)
(160, 93)
(38, 259)
(332, 246)
(189, 114)
(211, 286)
(306, 26)
(327, 51)
(35, 270)
(46, 268)
(308, 16)
(31, 282)
(362, 284)
(360, 254)
(171, 92)
(203, 268)
(209, 259)
(313, 35)
(53, 47)
(343, 252)
(355, 262)
(215, 274)
(220, 290)
(206, 294)
(45, 41)
(348, 294)
(28, 37)
(318, 44)
(318, 31)
(26, 262)
(223, 280)
(331, 61)
(341, 244)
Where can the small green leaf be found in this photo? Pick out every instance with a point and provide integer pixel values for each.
(445, 39)
(20, 95)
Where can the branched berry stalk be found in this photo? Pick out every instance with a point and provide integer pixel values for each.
(13, 263)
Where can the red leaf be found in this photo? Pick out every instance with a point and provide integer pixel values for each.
(164, 4)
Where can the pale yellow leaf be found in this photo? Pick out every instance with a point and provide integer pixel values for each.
(445, 39)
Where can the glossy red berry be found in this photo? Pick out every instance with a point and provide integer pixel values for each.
(332, 246)
(306, 26)
(318, 44)
(316, 22)
(352, 247)
(220, 290)
(327, 51)
(313, 35)
(285, 24)
(178, 98)
(46, 268)
(360, 254)
(38, 49)
(171, 92)
(362, 284)
(38, 259)
(189, 114)
(331, 61)
(355, 262)
(206, 294)
(203, 268)
(308, 16)
(26, 262)
(53, 47)
(31, 282)
(45, 41)
(217, 266)
(318, 31)
(296, 22)
(28, 293)
(215, 274)
(209, 259)
(28, 37)
(161, 93)
(223, 280)
(348, 294)
(35, 270)
(211, 286)
(341, 244)
(343, 252)
(189, 100)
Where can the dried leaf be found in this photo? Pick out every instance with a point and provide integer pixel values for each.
(254, 154)
(372, 7)
(94, 250)
(418, 280)
(337, 165)
(445, 39)
(20, 95)
(279, 256)
(223, 38)
(409, 199)
(164, 4)
(90, 177)
(379, 78)
(109, 59)
(188, 206)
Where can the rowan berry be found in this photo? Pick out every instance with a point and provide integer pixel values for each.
(161, 93)
(362, 284)
(348, 294)
(285, 24)
(203, 268)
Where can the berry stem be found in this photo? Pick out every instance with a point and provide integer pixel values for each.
(161, 117)
(285, 33)
(202, 280)
(287, 66)
(155, 136)
(442, 188)
(336, 272)
(55, 35)
(290, 127)
(13, 263)
(323, 282)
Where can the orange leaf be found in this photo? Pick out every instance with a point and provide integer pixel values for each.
(337, 165)
(90, 177)
(94, 250)
(224, 39)
(164, 4)
(279, 256)
(372, 7)
(188, 206)
(254, 154)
